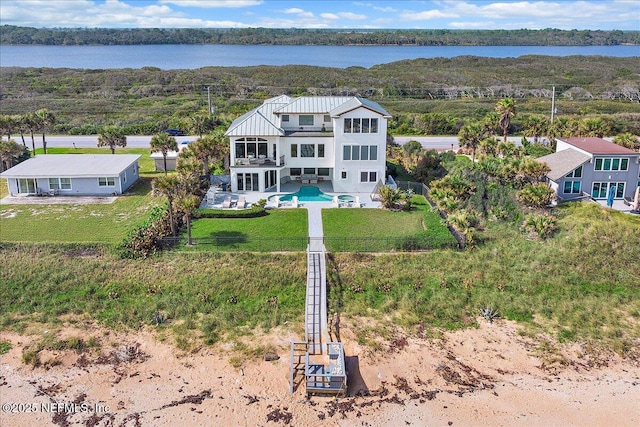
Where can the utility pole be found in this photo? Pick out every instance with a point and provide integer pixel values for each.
(553, 103)
(209, 98)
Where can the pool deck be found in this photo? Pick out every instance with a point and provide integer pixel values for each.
(214, 198)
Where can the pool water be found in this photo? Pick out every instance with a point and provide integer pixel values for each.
(310, 193)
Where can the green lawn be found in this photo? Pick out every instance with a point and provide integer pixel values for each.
(382, 230)
(74, 223)
(280, 230)
(103, 223)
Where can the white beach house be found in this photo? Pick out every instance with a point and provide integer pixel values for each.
(341, 139)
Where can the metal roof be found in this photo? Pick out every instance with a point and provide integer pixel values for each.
(595, 145)
(263, 120)
(71, 166)
(313, 104)
(356, 102)
(563, 162)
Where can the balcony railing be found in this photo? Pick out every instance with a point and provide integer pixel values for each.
(258, 163)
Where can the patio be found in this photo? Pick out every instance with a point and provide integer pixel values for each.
(215, 197)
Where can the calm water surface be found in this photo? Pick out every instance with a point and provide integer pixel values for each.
(170, 57)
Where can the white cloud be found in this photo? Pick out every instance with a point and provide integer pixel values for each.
(353, 16)
(211, 4)
(293, 10)
(427, 15)
(331, 16)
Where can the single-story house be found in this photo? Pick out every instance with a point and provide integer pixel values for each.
(73, 174)
(590, 166)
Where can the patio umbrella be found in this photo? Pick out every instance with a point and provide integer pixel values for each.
(612, 193)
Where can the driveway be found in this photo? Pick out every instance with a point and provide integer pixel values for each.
(57, 200)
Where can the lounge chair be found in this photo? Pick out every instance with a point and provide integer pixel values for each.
(357, 203)
(242, 202)
(227, 203)
(295, 201)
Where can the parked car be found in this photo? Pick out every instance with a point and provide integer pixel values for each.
(174, 132)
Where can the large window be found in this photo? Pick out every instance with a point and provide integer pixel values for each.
(305, 120)
(295, 172)
(368, 176)
(611, 164)
(27, 185)
(600, 190)
(108, 181)
(360, 125)
(576, 173)
(572, 187)
(248, 182)
(360, 152)
(251, 148)
(307, 150)
(60, 183)
(294, 150)
(320, 150)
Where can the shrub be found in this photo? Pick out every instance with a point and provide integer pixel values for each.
(148, 238)
(542, 226)
(535, 195)
(254, 211)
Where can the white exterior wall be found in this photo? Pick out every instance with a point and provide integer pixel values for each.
(309, 162)
(354, 167)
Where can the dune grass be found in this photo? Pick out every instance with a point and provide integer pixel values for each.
(581, 285)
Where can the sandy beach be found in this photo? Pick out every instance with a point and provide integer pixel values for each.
(486, 376)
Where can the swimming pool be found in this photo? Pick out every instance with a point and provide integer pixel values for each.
(311, 193)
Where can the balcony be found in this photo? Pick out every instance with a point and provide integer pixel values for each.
(260, 162)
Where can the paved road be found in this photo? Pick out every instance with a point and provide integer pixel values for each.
(441, 142)
(429, 142)
(90, 141)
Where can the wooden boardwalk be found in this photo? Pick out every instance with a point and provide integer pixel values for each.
(316, 361)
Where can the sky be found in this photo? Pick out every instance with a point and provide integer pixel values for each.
(358, 14)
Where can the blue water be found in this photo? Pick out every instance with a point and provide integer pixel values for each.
(310, 193)
(171, 57)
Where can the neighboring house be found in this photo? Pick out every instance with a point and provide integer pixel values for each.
(172, 158)
(590, 166)
(73, 174)
(309, 139)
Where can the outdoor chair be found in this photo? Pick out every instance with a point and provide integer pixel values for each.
(227, 203)
(242, 201)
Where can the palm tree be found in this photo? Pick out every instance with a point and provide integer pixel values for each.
(470, 136)
(168, 186)
(8, 125)
(506, 108)
(30, 122)
(44, 118)
(593, 126)
(628, 140)
(200, 124)
(187, 203)
(9, 151)
(209, 148)
(164, 143)
(112, 136)
(535, 126)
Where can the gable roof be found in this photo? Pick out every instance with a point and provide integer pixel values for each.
(563, 162)
(71, 166)
(263, 120)
(357, 102)
(597, 145)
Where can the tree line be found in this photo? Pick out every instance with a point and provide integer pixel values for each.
(14, 35)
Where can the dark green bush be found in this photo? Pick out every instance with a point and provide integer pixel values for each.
(252, 212)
